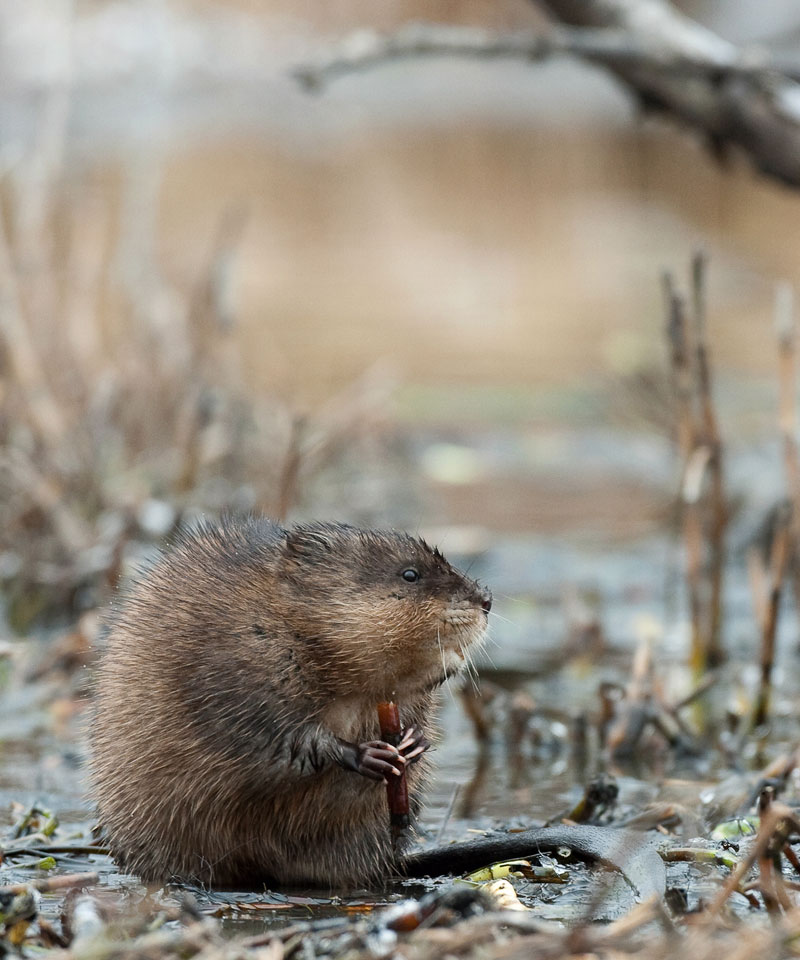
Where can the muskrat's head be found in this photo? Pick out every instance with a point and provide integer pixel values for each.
(383, 607)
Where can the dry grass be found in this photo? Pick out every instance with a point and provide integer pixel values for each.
(124, 407)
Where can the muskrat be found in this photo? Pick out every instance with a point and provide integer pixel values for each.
(235, 738)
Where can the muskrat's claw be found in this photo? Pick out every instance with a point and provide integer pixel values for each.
(413, 744)
(376, 760)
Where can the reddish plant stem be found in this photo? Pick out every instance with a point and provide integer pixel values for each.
(396, 787)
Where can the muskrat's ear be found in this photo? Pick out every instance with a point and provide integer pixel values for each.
(308, 544)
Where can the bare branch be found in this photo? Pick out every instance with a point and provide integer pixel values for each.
(366, 49)
(757, 109)
(732, 96)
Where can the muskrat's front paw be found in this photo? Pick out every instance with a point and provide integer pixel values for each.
(413, 744)
(376, 760)
(379, 760)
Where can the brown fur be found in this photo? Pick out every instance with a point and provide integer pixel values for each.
(230, 670)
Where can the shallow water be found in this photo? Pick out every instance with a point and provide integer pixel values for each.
(546, 591)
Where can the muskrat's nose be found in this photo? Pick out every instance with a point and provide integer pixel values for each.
(486, 606)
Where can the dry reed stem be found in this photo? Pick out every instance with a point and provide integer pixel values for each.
(787, 385)
(780, 887)
(634, 711)
(709, 681)
(678, 340)
(759, 587)
(793, 859)
(49, 496)
(86, 258)
(65, 882)
(37, 180)
(288, 480)
(704, 511)
(210, 303)
(750, 944)
(785, 328)
(691, 492)
(638, 916)
(209, 316)
(778, 816)
(106, 365)
(38, 405)
(712, 440)
(187, 437)
(767, 606)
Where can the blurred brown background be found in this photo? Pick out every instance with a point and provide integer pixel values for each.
(401, 299)
(476, 223)
(428, 295)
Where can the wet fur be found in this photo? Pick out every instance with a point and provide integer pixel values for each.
(231, 668)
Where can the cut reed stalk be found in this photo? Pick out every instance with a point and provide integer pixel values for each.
(767, 587)
(703, 507)
(785, 328)
(718, 520)
(678, 340)
(767, 579)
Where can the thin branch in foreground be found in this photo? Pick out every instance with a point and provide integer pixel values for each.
(69, 881)
(776, 825)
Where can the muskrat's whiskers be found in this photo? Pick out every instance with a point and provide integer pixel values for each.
(445, 674)
(470, 669)
(474, 673)
(499, 617)
(488, 656)
(441, 652)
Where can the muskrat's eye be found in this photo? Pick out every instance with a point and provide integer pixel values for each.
(410, 575)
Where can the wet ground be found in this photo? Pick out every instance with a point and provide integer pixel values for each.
(534, 261)
(569, 611)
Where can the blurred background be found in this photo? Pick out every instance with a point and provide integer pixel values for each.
(427, 295)
(451, 247)
(490, 234)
